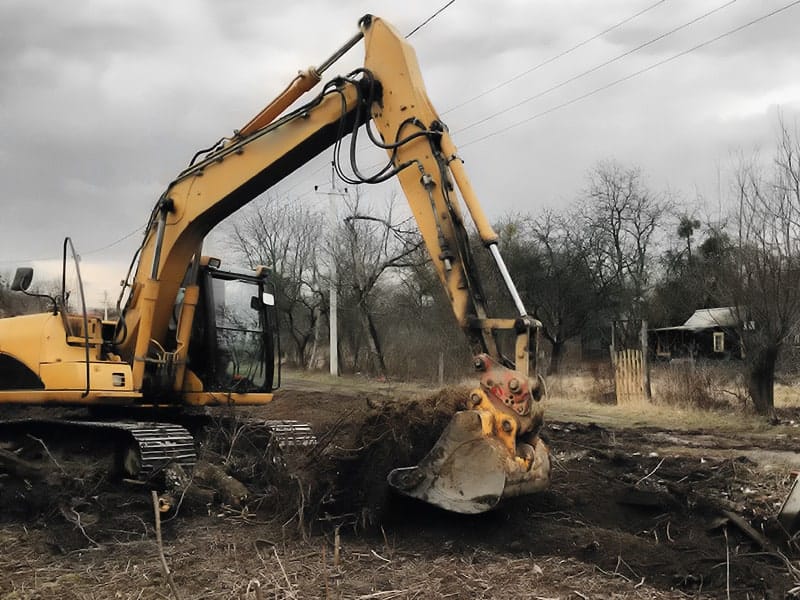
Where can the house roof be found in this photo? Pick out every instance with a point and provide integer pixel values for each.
(708, 318)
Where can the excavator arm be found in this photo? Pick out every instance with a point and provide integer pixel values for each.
(489, 451)
(493, 449)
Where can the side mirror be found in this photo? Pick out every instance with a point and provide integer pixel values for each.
(22, 279)
(266, 299)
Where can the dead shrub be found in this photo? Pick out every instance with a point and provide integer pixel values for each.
(602, 389)
(704, 386)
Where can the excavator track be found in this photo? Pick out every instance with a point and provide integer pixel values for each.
(286, 434)
(142, 449)
(155, 445)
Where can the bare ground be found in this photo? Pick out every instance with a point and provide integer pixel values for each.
(632, 513)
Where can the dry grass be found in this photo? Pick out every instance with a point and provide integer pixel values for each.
(349, 384)
(787, 395)
(709, 399)
(230, 560)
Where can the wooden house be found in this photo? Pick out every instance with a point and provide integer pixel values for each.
(710, 333)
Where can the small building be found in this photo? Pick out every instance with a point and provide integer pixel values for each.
(710, 333)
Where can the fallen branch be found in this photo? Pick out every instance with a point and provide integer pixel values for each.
(47, 450)
(18, 466)
(749, 531)
(658, 466)
(290, 590)
(376, 555)
(337, 546)
(164, 567)
(77, 520)
(769, 548)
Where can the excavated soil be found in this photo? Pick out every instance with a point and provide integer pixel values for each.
(631, 513)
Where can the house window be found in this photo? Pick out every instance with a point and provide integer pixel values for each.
(719, 341)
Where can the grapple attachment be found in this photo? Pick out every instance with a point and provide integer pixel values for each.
(487, 453)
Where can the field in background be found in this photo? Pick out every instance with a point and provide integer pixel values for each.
(708, 396)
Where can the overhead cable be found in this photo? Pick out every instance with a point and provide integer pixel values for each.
(554, 57)
(597, 67)
(429, 19)
(634, 74)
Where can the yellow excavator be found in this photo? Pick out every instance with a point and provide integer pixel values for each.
(190, 333)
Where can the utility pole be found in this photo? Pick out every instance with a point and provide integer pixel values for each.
(105, 305)
(333, 323)
(333, 313)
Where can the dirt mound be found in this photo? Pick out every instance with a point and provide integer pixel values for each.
(677, 522)
(690, 523)
(397, 434)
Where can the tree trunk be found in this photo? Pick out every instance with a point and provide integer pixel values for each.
(761, 381)
(556, 356)
(372, 337)
(317, 323)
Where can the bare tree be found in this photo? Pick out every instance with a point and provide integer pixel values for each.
(421, 334)
(686, 227)
(551, 277)
(696, 278)
(17, 303)
(615, 230)
(767, 286)
(367, 248)
(285, 235)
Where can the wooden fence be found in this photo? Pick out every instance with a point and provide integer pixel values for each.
(629, 377)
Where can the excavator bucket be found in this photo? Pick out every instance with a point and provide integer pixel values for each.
(470, 468)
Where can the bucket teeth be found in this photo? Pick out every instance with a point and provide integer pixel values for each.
(470, 471)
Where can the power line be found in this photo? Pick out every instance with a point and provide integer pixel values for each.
(307, 177)
(555, 57)
(553, 88)
(412, 32)
(93, 251)
(429, 19)
(532, 69)
(635, 74)
(597, 67)
(119, 241)
(546, 62)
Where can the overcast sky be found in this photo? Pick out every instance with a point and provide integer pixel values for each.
(102, 102)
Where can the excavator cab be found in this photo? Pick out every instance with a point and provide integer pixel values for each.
(234, 335)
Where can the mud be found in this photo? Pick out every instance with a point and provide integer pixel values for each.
(639, 513)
